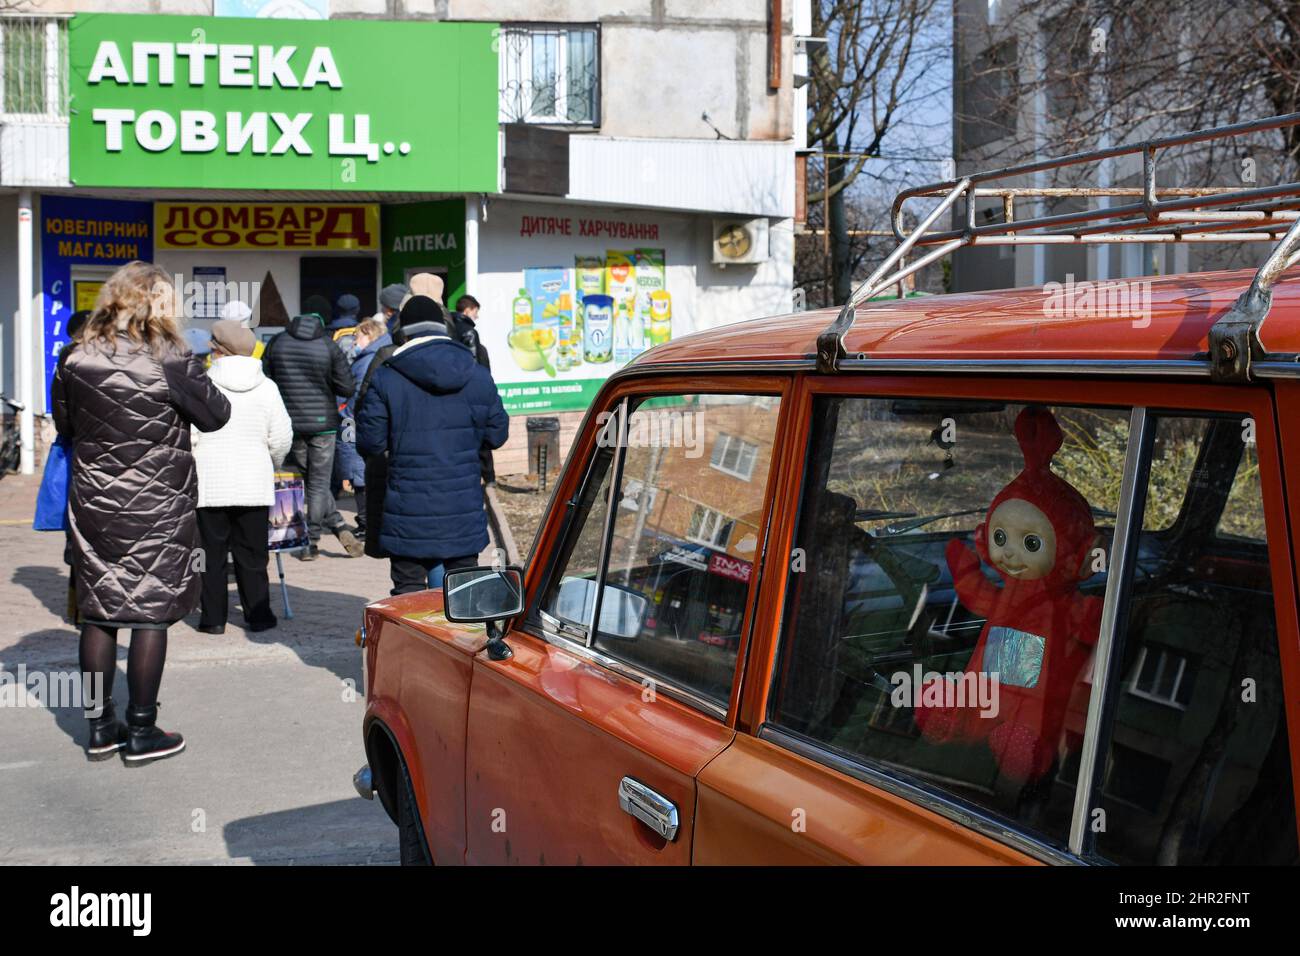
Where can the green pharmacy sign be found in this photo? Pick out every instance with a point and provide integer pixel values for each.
(204, 102)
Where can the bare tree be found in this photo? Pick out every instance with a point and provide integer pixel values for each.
(880, 57)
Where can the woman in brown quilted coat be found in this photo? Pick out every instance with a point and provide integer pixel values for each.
(126, 395)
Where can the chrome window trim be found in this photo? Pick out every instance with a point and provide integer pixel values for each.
(1163, 367)
(1123, 544)
(959, 812)
(611, 517)
(623, 669)
(1276, 369)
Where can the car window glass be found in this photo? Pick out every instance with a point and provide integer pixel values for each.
(1173, 459)
(684, 539)
(1197, 769)
(687, 530)
(578, 559)
(946, 594)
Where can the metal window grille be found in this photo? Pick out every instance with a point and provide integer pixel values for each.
(550, 75)
(34, 66)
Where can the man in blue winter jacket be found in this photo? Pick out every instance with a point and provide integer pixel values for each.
(430, 406)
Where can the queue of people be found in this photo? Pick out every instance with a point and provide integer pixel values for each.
(172, 464)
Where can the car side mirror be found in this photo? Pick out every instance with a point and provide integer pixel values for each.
(484, 595)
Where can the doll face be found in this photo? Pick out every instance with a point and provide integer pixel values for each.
(1021, 541)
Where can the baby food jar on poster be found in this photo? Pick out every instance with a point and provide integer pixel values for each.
(661, 317)
(571, 319)
(564, 352)
(522, 309)
(598, 321)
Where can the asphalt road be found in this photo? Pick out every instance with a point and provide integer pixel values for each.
(271, 720)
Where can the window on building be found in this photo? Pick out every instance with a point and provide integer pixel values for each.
(989, 96)
(34, 66)
(1163, 676)
(735, 456)
(710, 527)
(550, 74)
(1067, 44)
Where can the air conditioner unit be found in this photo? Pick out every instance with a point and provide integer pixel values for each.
(740, 241)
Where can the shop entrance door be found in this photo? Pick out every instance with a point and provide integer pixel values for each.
(333, 276)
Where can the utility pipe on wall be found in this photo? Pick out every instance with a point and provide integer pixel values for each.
(25, 366)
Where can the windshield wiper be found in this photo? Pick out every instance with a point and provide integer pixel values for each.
(877, 514)
(906, 526)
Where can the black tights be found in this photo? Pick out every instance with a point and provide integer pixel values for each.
(144, 661)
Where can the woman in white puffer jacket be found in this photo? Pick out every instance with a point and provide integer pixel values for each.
(236, 468)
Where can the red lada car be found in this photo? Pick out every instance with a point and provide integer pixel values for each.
(966, 579)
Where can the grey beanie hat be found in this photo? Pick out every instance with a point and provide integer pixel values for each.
(393, 295)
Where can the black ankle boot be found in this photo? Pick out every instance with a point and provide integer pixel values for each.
(146, 742)
(107, 734)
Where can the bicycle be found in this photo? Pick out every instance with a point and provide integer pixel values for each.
(11, 444)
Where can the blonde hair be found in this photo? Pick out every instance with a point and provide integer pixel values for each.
(137, 299)
(372, 328)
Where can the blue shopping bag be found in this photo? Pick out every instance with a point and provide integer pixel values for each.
(52, 499)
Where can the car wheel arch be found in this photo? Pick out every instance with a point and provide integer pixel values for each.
(384, 756)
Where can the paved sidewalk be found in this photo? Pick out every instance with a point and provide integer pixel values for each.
(271, 723)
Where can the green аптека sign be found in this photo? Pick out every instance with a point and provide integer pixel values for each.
(203, 102)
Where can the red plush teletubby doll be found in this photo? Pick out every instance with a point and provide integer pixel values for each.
(1039, 630)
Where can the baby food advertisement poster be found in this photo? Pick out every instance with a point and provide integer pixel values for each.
(572, 324)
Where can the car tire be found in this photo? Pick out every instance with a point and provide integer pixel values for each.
(411, 847)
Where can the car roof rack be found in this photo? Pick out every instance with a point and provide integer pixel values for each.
(1147, 214)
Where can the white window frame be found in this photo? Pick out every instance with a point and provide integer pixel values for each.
(1166, 656)
(712, 521)
(722, 446)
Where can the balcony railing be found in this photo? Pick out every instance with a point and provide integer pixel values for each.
(550, 74)
(33, 67)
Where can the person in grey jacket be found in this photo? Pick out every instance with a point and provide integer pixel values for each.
(125, 396)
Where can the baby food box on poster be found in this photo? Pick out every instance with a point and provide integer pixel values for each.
(541, 311)
(620, 286)
(620, 276)
(651, 278)
(545, 287)
(588, 279)
(650, 271)
(589, 276)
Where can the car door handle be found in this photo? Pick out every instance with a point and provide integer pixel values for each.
(653, 809)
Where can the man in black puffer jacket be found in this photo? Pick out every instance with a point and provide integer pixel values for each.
(309, 369)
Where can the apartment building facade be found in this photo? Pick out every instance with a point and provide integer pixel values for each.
(1019, 80)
